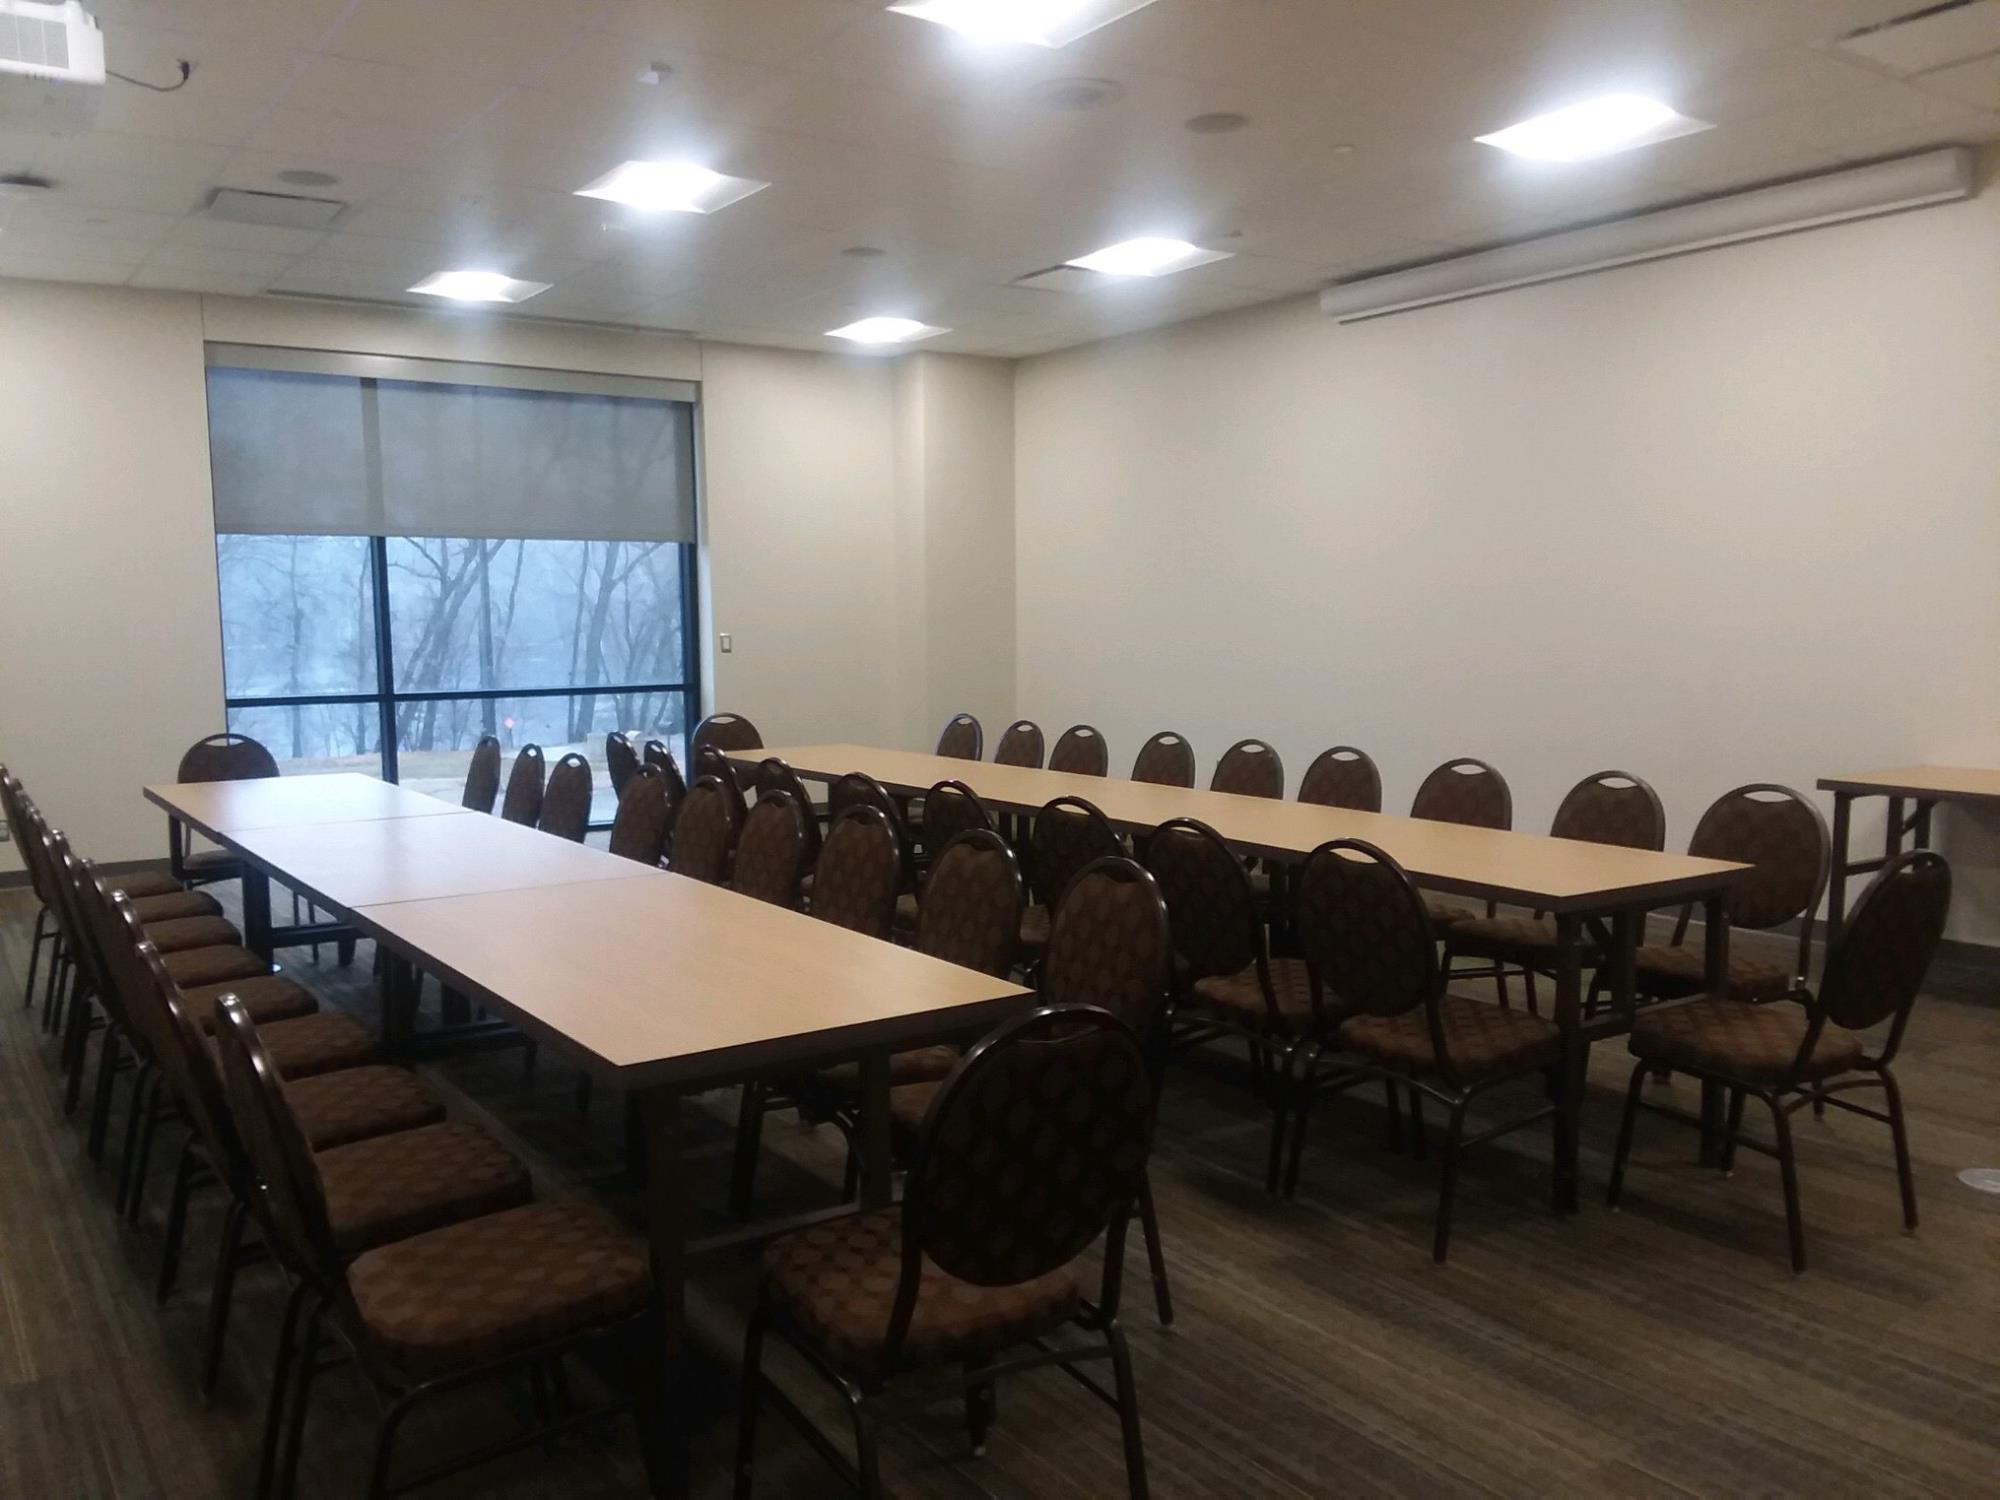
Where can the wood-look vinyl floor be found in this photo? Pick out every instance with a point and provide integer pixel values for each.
(1662, 1350)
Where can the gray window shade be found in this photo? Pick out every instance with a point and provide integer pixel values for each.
(306, 452)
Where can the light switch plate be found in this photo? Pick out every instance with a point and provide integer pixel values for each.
(725, 643)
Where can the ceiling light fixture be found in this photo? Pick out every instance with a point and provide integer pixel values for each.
(670, 187)
(1149, 255)
(1034, 23)
(479, 286)
(1596, 127)
(886, 331)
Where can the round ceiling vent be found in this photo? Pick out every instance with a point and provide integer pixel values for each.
(1078, 94)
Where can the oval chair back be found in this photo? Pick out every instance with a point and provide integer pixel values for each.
(1465, 791)
(620, 761)
(728, 732)
(1249, 768)
(482, 776)
(657, 754)
(1167, 759)
(771, 851)
(952, 808)
(566, 803)
(860, 872)
(639, 830)
(858, 789)
(1020, 745)
(293, 1198)
(776, 776)
(1343, 777)
(1874, 972)
(971, 911)
(226, 757)
(997, 1193)
(1366, 935)
(705, 832)
(1784, 838)
(961, 738)
(1081, 751)
(1212, 912)
(1109, 946)
(1612, 807)
(1069, 833)
(713, 760)
(525, 784)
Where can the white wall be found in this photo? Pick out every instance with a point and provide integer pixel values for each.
(111, 664)
(1729, 517)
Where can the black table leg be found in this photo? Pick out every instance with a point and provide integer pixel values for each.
(1575, 1051)
(664, 1436)
(1836, 886)
(257, 913)
(1715, 943)
(876, 1167)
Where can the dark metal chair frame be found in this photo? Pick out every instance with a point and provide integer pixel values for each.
(1246, 755)
(865, 1395)
(530, 774)
(1845, 999)
(781, 808)
(1050, 866)
(645, 815)
(1423, 967)
(775, 775)
(1021, 744)
(216, 757)
(482, 776)
(729, 733)
(711, 786)
(962, 725)
(620, 761)
(1342, 761)
(566, 799)
(1081, 750)
(1173, 759)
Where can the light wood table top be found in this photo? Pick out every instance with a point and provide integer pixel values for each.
(345, 866)
(1928, 783)
(216, 808)
(1527, 869)
(667, 980)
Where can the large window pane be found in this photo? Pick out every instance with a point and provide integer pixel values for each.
(436, 738)
(484, 615)
(316, 738)
(298, 615)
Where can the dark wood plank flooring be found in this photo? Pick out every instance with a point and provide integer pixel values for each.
(1662, 1350)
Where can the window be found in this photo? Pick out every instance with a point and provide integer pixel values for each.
(415, 555)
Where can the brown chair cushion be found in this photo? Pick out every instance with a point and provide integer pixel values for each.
(209, 862)
(268, 997)
(908, 1104)
(466, 1295)
(1484, 1041)
(1736, 1039)
(1671, 972)
(1241, 997)
(324, 1042)
(179, 934)
(1445, 913)
(1036, 924)
(918, 1065)
(169, 905)
(906, 913)
(198, 967)
(1523, 939)
(356, 1104)
(140, 884)
(836, 1285)
(394, 1186)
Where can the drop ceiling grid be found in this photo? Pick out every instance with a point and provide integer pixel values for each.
(459, 128)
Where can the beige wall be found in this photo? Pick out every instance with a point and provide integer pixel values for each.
(112, 663)
(1724, 518)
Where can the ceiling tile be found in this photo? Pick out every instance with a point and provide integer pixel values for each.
(1974, 83)
(501, 40)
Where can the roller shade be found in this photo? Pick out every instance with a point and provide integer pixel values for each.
(307, 443)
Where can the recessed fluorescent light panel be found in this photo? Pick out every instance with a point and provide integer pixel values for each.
(886, 331)
(1034, 23)
(1147, 256)
(670, 187)
(1597, 127)
(479, 286)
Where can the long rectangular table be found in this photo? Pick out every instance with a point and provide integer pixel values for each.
(1926, 787)
(1606, 888)
(654, 982)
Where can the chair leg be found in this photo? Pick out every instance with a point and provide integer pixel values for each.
(1899, 1130)
(1528, 981)
(385, 1443)
(1732, 1128)
(143, 1163)
(1788, 1171)
(1282, 1091)
(867, 1450)
(1156, 1258)
(749, 1142)
(850, 1174)
(177, 1206)
(1128, 1413)
(1448, 1181)
(228, 1255)
(1500, 985)
(1302, 1122)
(1393, 1099)
(41, 936)
(135, 1119)
(274, 1406)
(1559, 1142)
(108, 1052)
(1416, 1122)
(295, 1424)
(1623, 1150)
(982, 1404)
(747, 1401)
(75, 1052)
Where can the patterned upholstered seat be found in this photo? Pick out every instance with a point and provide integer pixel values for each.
(325, 1042)
(495, 1286)
(1036, 921)
(908, 1104)
(1494, 937)
(268, 997)
(836, 1283)
(1445, 913)
(138, 885)
(197, 967)
(1242, 996)
(1672, 972)
(1756, 1043)
(394, 1186)
(906, 913)
(1483, 1040)
(918, 1065)
(179, 934)
(168, 906)
(335, 1109)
